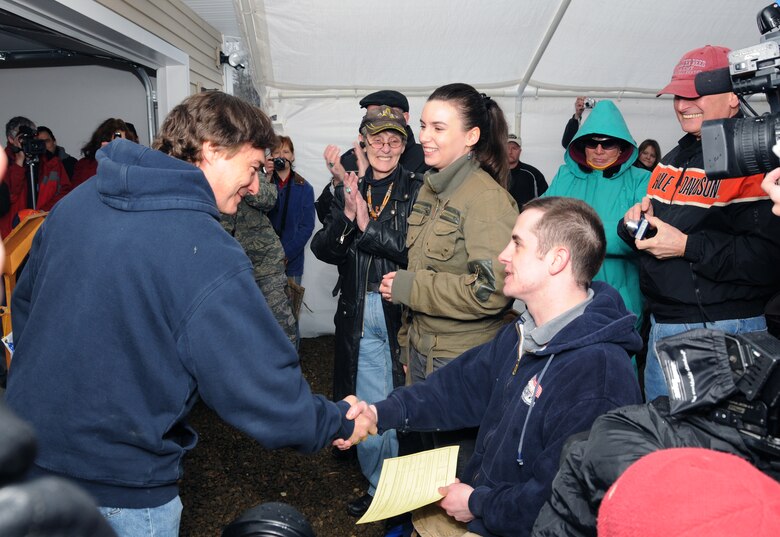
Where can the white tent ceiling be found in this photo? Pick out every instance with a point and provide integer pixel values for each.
(314, 59)
(421, 44)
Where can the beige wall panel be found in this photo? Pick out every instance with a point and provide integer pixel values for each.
(174, 22)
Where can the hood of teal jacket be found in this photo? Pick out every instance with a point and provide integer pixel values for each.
(605, 119)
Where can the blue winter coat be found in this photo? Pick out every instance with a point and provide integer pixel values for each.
(589, 374)
(299, 221)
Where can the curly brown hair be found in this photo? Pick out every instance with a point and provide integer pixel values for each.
(104, 133)
(213, 116)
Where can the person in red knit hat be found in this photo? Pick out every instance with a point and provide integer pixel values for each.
(691, 492)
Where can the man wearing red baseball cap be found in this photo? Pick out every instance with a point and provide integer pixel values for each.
(714, 247)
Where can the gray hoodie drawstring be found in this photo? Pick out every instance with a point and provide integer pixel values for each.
(530, 409)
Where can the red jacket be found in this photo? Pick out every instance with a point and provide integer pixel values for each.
(84, 169)
(53, 184)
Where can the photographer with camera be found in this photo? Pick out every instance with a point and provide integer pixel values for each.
(711, 252)
(573, 125)
(109, 130)
(30, 165)
(293, 217)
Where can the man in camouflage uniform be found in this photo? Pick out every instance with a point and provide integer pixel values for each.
(253, 230)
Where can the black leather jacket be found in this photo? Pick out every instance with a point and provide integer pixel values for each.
(340, 242)
(412, 160)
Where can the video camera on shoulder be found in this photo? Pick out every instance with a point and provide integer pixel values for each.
(737, 147)
(735, 379)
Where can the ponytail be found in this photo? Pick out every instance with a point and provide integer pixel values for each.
(478, 110)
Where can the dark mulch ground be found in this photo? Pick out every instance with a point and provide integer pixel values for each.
(228, 472)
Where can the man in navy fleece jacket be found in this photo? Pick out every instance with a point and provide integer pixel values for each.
(548, 375)
(134, 303)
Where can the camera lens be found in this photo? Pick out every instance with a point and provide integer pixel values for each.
(738, 147)
(279, 163)
(753, 140)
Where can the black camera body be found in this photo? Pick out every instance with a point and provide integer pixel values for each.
(735, 379)
(737, 147)
(755, 409)
(280, 163)
(32, 147)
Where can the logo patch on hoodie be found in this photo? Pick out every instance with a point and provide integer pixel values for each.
(528, 392)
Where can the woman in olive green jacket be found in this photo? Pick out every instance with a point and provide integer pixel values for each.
(462, 219)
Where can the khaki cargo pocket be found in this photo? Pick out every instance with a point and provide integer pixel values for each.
(416, 222)
(441, 245)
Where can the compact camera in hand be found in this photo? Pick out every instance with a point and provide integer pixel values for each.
(280, 163)
(640, 229)
(590, 102)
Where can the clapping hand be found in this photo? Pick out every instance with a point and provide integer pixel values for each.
(362, 159)
(333, 163)
(361, 207)
(351, 196)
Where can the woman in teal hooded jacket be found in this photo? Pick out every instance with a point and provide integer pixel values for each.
(598, 169)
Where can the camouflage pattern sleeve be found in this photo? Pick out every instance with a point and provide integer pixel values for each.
(265, 199)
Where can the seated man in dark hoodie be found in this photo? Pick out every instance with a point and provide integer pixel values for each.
(164, 311)
(549, 375)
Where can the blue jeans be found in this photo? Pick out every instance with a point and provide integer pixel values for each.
(162, 521)
(466, 439)
(373, 384)
(655, 383)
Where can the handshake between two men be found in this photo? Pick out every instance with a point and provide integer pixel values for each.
(456, 495)
(365, 418)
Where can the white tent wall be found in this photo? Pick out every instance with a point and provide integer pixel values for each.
(314, 61)
(314, 123)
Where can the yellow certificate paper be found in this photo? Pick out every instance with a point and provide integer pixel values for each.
(412, 481)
